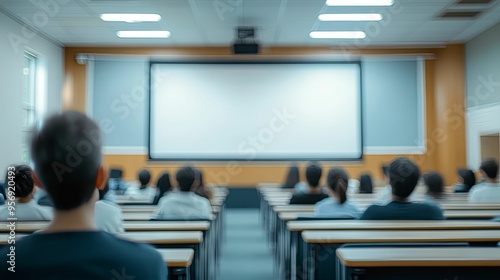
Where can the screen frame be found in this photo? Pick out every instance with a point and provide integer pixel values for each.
(241, 61)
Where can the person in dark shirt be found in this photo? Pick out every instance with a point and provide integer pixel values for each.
(292, 177)
(435, 186)
(67, 157)
(313, 193)
(467, 180)
(403, 178)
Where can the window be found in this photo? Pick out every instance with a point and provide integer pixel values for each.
(29, 103)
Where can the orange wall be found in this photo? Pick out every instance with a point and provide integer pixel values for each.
(444, 88)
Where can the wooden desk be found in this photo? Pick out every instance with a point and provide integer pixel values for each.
(178, 262)
(356, 236)
(164, 237)
(177, 257)
(471, 214)
(419, 263)
(29, 227)
(414, 257)
(324, 243)
(176, 239)
(391, 225)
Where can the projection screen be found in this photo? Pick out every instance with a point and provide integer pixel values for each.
(255, 111)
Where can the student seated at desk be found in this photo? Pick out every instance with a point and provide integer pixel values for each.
(384, 195)
(313, 193)
(143, 190)
(200, 188)
(466, 180)
(292, 177)
(26, 209)
(403, 177)
(183, 204)
(72, 247)
(108, 215)
(489, 191)
(163, 186)
(435, 187)
(336, 205)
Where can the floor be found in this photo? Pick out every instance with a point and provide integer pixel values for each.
(245, 254)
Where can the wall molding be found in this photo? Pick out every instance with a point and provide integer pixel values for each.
(394, 150)
(125, 150)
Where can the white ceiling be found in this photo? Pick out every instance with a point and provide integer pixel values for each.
(278, 22)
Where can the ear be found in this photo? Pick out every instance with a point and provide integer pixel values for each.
(102, 178)
(36, 179)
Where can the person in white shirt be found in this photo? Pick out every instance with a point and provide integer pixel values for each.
(488, 191)
(143, 191)
(26, 209)
(183, 204)
(337, 205)
(108, 215)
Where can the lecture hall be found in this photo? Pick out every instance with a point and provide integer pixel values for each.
(250, 139)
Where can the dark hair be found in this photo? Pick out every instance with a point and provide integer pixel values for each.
(337, 180)
(490, 167)
(22, 179)
(144, 177)
(199, 177)
(365, 183)
(435, 184)
(403, 177)
(292, 178)
(67, 156)
(103, 192)
(185, 178)
(313, 175)
(385, 170)
(468, 177)
(163, 186)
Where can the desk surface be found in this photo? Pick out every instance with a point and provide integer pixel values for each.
(391, 225)
(364, 236)
(177, 257)
(127, 225)
(419, 257)
(450, 214)
(164, 237)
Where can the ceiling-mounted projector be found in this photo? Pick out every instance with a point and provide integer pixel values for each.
(245, 44)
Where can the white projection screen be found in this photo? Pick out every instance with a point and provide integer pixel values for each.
(255, 111)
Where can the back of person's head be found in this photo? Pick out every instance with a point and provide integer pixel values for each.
(434, 183)
(403, 177)
(337, 182)
(489, 166)
(313, 174)
(185, 178)
(163, 185)
(23, 180)
(104, 191)
(199, 177)
(292, 178)
(67, 156)
(144, 177)
(365, 183)
(385, 170)
(468, 177)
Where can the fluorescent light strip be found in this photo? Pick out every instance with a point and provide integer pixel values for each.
(131, 18)
(143, 34)
(350, 17)
(359, 2)
(337, 34)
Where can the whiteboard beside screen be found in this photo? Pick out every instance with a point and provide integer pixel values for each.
(255, 111)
